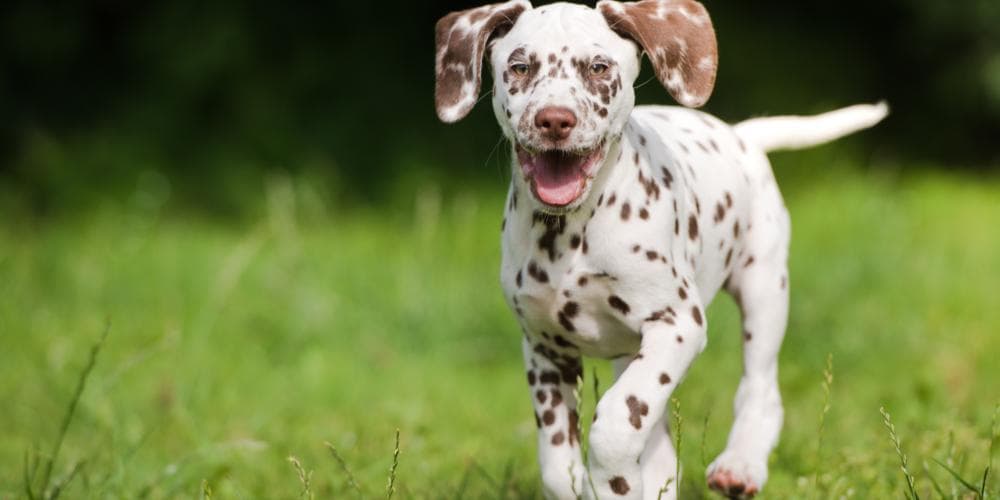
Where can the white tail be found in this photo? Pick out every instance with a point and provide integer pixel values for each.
(798, 132)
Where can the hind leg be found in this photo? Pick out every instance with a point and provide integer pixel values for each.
(760, 286)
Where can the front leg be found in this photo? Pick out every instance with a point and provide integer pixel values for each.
(552, 377)
(629, 412)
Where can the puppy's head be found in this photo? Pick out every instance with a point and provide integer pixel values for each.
(563, 76)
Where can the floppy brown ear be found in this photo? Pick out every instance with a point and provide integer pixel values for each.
(679, 39)
(461, 39)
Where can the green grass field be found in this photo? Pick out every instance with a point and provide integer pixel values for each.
(235, 346)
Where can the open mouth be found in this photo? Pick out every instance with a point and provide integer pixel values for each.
(559, 177)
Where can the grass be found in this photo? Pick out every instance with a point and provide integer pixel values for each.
(316, 334)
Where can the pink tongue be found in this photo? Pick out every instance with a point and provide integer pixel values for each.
(558, 180)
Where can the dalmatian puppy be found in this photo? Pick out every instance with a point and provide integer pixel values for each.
(623, 222)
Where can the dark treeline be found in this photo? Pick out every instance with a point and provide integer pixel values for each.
(214, 94)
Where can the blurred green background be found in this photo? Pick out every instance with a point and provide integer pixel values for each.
(291, 250)
(98, 98)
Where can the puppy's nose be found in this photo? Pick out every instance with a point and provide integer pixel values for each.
(555, 123)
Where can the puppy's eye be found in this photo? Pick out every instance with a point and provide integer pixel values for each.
(598, 69)
(519, 69)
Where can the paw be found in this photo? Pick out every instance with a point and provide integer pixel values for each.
(735, 477)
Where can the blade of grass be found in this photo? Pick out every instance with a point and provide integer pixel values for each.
(305, 478)
(57, 488)
(30, 470)
(71, 410)
(894, 438)
(827, 386)
(982, 486)
(390, 488)
(665, 488)
(957, 477)
(464, 483)
(351, 481)
(994, 434)
(206, 490)
(678, 423)
(486, 475)
(704, 436)
(508, 472)
(934, 483)
(597, 397)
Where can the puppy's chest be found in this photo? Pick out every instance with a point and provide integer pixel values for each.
(565, 277)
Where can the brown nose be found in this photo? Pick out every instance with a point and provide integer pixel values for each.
(555, 123)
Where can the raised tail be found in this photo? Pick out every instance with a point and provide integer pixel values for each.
(797, 132)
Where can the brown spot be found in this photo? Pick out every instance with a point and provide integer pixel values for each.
(531, 377)
(571, 369)
(617, 303)
(692, 227)
(541, 396)
(635, 158)
(747, 336)
(651, 255)
(517, 279)
(680, 340)
(696, 314)
(664, 379)
(736, 229)
(729, 256)
(554, 226)
(558, 438)
(611, 199)
(668, 179)
(574, 427)
(749, 262)
(729, 200)
(574, 241)
(571, 309)
(562, 342)
(626, 211)
(715, 145)
(582, 281)
(720, 213)
(677, 226)
(537, 273)
(682, 293)
(636, 410)
(636, 248)
(557, 398)
(549, 377)
(784, 282)
(642, 140)
(619, 485)
(565, 322)
(548, 418)
(643, 214)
